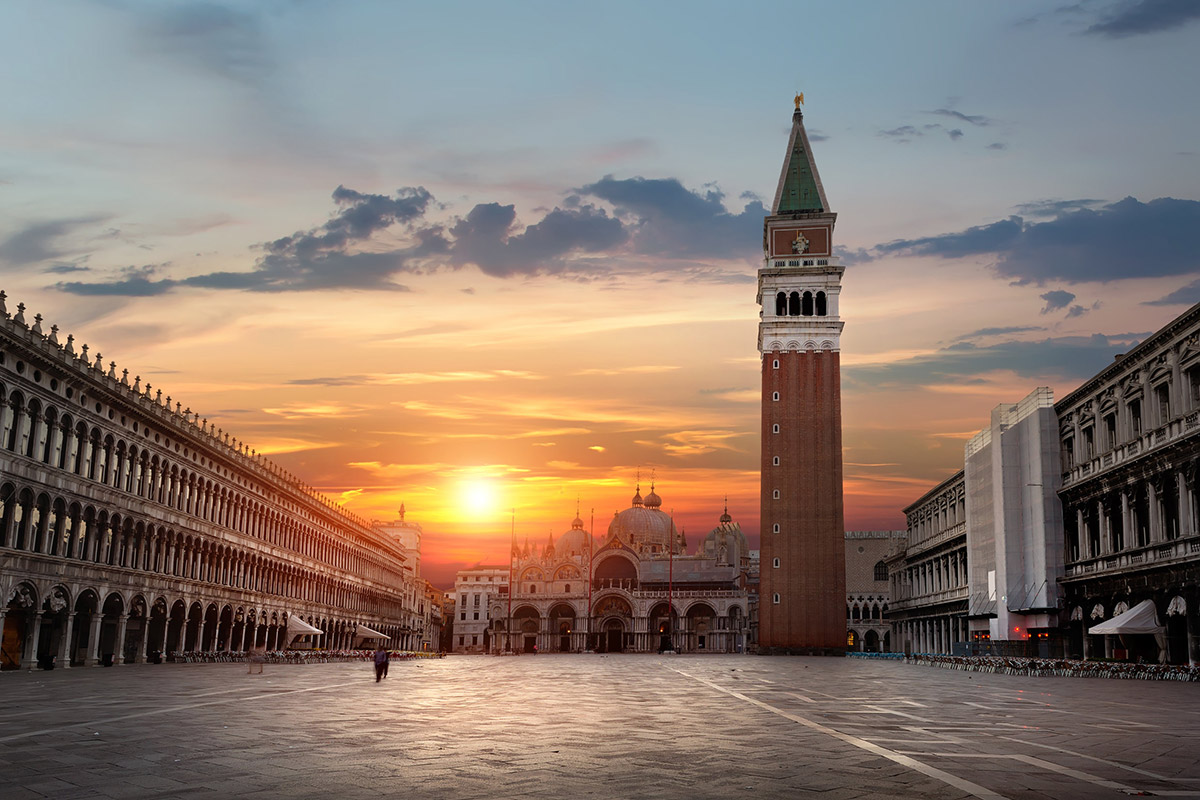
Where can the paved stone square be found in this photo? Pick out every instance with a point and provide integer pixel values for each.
(618, 726)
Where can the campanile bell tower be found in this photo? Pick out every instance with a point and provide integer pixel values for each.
(802, 594)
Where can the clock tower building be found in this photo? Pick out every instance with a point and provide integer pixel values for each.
(802, 594)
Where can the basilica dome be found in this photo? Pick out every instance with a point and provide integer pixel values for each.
(726, 542)
(574, 540)
(643, 526)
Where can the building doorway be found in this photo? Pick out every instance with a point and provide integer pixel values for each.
(614, 633)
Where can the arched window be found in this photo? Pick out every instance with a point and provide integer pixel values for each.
(880, 571)
(780, 304)
(776, 528)
(806, 307)
(775, 563)
(794, 304)
(775, 428)
(775, 598)
(775, 495)
(821, 305)
(775, 461)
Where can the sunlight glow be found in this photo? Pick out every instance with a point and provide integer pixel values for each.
(479, 497)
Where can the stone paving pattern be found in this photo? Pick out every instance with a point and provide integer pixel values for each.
(617, 726)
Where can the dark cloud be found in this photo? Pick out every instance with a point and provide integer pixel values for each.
(1056, 300)
(973, 119)
(973, 241)
(1136, 17)
(1061, 358)
(313, 259)
(486, 238)
(1079, 245)
(65, 269)
(1052, 208)
(998, 332)
(816, 136)
(213, 37)
(997, 146)
(1186, 295)
(666, 219)
(580, 240)
(955, 134)
(41, 241)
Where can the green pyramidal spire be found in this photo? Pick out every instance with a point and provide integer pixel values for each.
(800, 189)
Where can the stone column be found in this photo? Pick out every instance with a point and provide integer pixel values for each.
(139, 657)
(1184, 515)
(162, 645)
(1155, 521)
(119, 644)
(29, 660)
(1081, 533)
(93, 648)
(1105, 528)
(64, 647)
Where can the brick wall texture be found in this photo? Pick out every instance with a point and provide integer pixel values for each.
(810, 544)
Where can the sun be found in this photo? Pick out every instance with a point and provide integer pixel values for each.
(479, 497)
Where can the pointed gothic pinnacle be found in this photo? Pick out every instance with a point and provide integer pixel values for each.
(37, 323)
(20, 317)
(3, 307)
(83, 354)
(125, 377)
(53, 335)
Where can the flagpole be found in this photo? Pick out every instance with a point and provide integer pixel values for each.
(671, 582)
(512, 548)
(591, 549)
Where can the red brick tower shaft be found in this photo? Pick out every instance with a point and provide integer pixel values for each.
(802, 597)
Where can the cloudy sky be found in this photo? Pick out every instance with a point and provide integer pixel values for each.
(476, 257)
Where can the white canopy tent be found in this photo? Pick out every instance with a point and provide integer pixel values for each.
(1142, 618)
(362, 633)
(298, 627)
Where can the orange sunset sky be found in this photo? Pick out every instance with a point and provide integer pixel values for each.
(507, 267)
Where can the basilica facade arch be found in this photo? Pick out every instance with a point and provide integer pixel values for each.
(634, 590)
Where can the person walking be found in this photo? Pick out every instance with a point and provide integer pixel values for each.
(381, 663)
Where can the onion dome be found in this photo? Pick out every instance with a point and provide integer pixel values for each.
(647, 528)
(637, 497)
(653, 500)
(725, 516)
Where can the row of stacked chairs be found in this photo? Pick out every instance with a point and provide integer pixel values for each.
(1060, 667)
(292, 656)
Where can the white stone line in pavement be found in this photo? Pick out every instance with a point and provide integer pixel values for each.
(1050, 766)
(1116, 764)
(159, 711)
(799, 696)
(946, 738)
(891, 755)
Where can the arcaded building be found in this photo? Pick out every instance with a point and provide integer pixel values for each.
(1073, 512)
(637, 589)
(928, 572)
(868, 593)
(1130, 449)
(132, 526)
